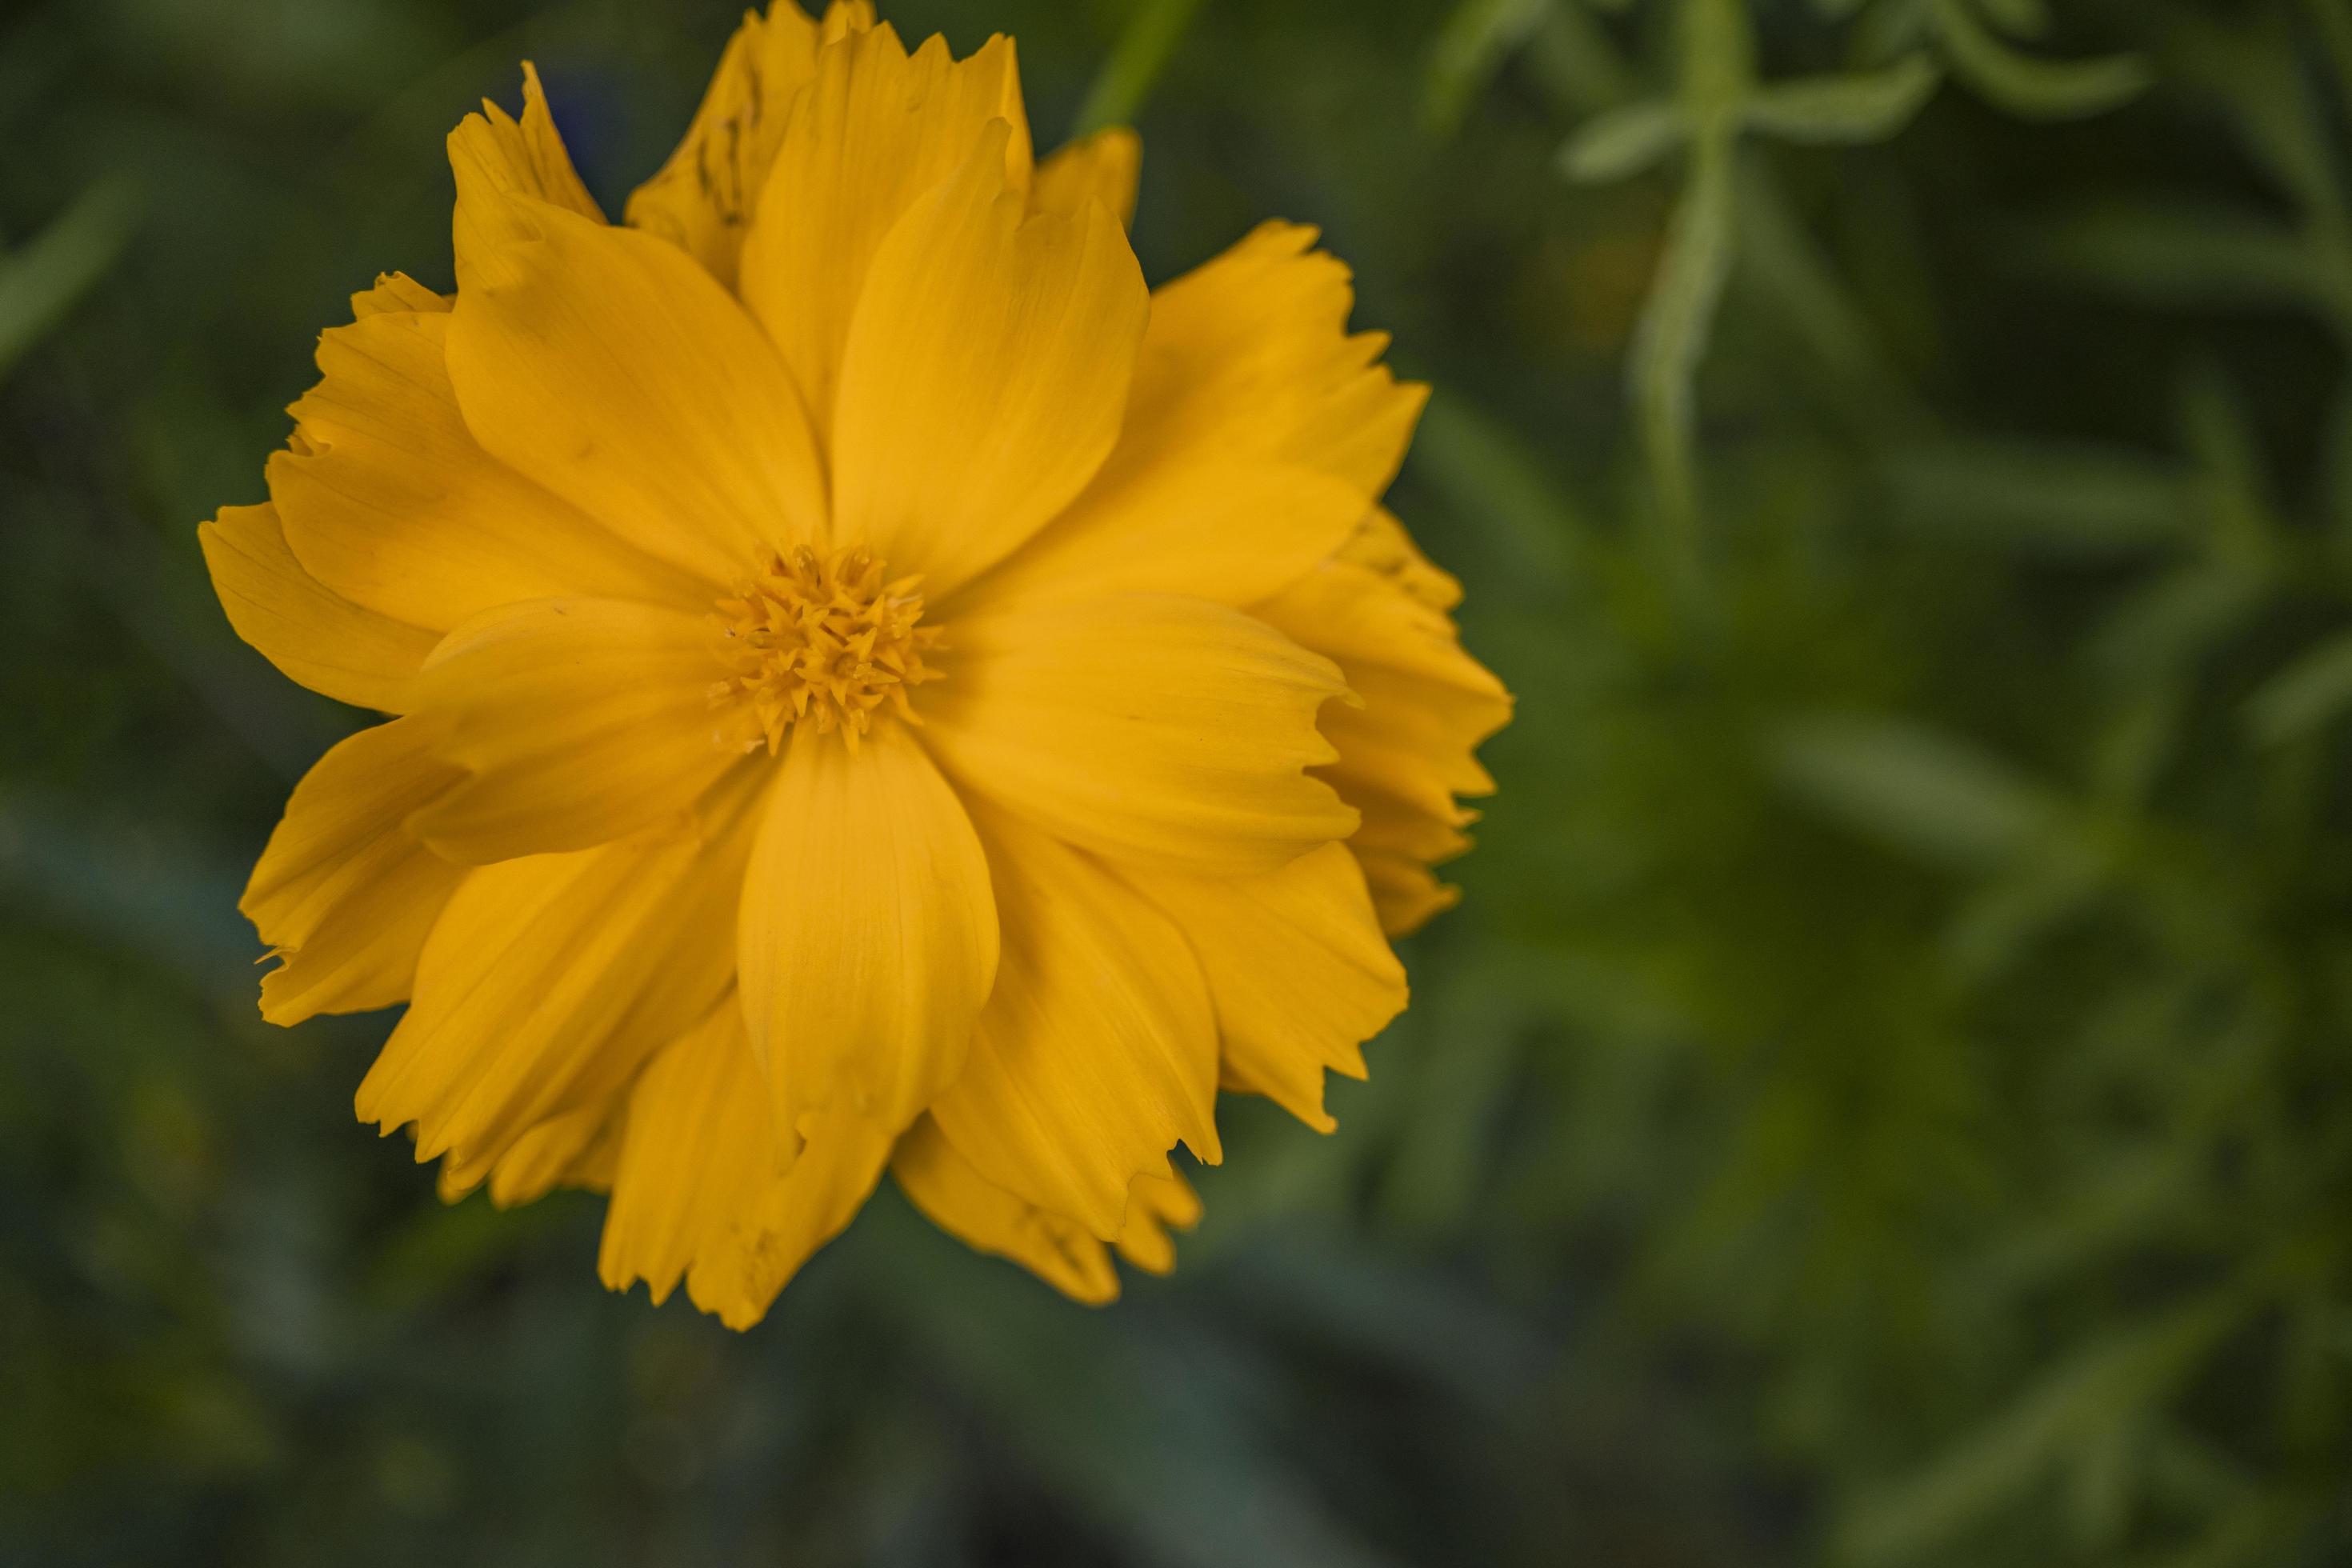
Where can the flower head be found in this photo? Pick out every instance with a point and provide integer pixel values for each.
(869, 684)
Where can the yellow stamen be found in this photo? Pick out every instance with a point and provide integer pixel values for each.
(821, 640)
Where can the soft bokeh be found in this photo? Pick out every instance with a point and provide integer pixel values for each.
(1886, 1098)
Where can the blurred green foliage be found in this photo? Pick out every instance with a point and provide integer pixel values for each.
(1886, 1098)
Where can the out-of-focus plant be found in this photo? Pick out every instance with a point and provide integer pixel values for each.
(2002, 993)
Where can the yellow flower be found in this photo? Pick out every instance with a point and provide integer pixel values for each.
(871, 684)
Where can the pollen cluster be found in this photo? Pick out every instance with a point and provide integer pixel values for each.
(822, 640)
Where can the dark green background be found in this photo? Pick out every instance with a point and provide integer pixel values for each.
(1886, 1099)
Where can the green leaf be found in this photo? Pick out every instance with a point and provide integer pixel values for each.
(2018, 18)
(2180, 254)
(2111, 1382)
(2313, 692)
(2160, 630)
(41, 281)
(1914, 788)
(2058, 499)
(1670, 339)
(2031, 87)
(1845, 109)
(1622, 142)
(1142, 52)
(1477, 37)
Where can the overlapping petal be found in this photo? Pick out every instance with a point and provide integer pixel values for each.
(1249, 355)
(960, 1201)
(548, 980)
(1149, 728)
(572, 1148)
(344, 894)
(314, 635)
(705, 197)
(1103, 167)
(1407, 752)
(498, 159)
(984, 1216)
(577, 721)
(609, 369)
(1234, 532)
(869, 931)
(984, 372)
(738, 1270)
(697, 1148)
(387, 498)
(1096, 1052)
(873, 131)
(1297, 970)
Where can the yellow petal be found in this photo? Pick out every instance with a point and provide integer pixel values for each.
(569, 1149)
(875, 129)
(1249, 355)
(959, 1201)
(311, 633)
(577, 721)
(698, 1149)
(1409, 750)
(1155, 728)
(344, 893)
(606, 366)
(738, 1270)
(1382, 544)
(1415, 737)
(869, 931)
(550, 980)
(1235, 533)
(1404, 891)
(1359, 615)
(985, 370)
(1155, 1205)
(704, 198)
(498, 160)
(1096, 1053)
(397, 292)
(1103, 167)
(1297, 968)
(386, 498)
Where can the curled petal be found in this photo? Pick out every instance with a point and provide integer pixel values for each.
(344, 894)
(314, 635)
(737, 1273)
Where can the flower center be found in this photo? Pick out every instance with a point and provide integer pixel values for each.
(821, 640)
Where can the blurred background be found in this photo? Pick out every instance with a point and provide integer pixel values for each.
(1886, 1098)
